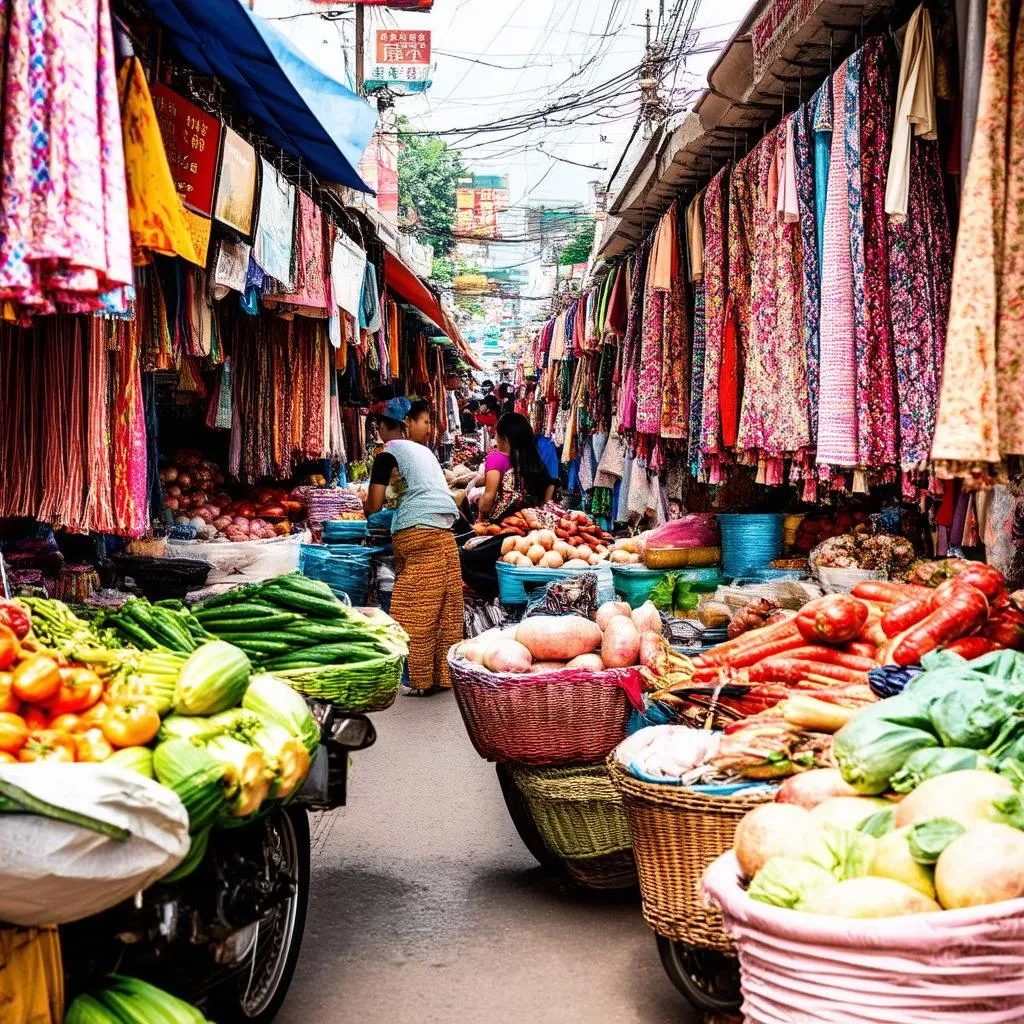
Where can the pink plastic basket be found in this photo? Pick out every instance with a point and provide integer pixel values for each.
(567, 717)
(954, 966)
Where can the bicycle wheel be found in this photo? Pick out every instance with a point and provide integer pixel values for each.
(708, 980)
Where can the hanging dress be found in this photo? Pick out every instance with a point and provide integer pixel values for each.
(714, 324)
(805, 168)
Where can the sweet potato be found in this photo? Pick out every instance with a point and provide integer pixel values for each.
(557, 637)
(646, 618)
(620, 647)
(609, 610)
(588, 662)
(508, 655)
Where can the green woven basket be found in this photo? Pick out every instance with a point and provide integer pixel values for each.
(576, 810)
(372, 691)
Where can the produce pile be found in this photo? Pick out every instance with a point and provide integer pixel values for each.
(619, 638)
(924, 813)
(801, 679)
(572, 526)
(223, 740)
(815, 528)
(289, 625)
(881, 552)
(121, 1000)
(193, 490)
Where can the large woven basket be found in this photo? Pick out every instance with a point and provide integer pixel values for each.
(610, 871)
(677, 833)
(554, 718)
(577, 810)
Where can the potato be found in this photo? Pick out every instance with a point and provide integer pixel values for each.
(576, 563)
(772, 830)
(584, 551)
(522, 545)
(551, 560)
(546, 666)
(508, 655)
(620, 557)
(565, 550)
(587, 662)
(556, 637)
(536, 553)
(620, 646)
(609, 610)
(546, 539)
(507, 545)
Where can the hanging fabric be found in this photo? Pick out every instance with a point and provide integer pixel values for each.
(714, 323)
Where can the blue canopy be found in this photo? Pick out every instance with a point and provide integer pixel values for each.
(303, 110)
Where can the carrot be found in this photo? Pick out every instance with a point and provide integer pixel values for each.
(833, 656)
(862, 649)
(902, 616)
(792, 670)
(885, 592)
(723, 653)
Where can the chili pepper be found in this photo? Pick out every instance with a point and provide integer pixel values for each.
(960, 615)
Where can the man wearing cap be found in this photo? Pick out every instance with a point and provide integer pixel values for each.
(427, 600)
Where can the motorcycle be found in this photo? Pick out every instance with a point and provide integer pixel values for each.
(227, 937)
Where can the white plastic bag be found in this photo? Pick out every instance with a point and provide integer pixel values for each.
(52, 872)
(250, 561)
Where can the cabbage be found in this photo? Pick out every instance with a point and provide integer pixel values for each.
(927, 763)
(928, 839)
(967, 716)
(874, 745)
(788, 881)
(278, 702)
(841, 851)
(878, 824)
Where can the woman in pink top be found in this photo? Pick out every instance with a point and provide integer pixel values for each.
(514, 475)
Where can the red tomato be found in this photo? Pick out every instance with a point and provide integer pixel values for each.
(8, 699)
(48, 745)
(36, 679)
(13, 733)
(9, 647)
(35, 717)
(67, 723)
(80, 688)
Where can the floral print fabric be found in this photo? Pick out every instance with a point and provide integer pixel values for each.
(714, 322)
(697, 380)
(804, 152)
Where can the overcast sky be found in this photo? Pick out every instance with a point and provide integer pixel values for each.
(497, 60)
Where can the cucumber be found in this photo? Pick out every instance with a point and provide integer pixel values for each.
(242, 610)
(251, 641)
(274, 621)
(304, 603)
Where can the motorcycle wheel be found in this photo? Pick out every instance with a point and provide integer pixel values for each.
(707, 979)
(519, 812)
(256, 993)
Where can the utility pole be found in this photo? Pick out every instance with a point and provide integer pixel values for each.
(360, 47)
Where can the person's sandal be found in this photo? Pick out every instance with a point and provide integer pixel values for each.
(428, 691)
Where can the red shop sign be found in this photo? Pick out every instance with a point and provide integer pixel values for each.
(192, 141)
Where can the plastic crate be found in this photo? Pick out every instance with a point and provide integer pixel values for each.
(516, 583)
(634, 583)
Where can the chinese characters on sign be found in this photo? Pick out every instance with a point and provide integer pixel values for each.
(478, 201)
(402, 61)
(192, 142)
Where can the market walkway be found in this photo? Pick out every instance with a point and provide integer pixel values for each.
(426, 907)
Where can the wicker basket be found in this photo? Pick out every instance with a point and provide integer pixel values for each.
(611, 871)
(577, 810)
(677, 833)
(557, 718)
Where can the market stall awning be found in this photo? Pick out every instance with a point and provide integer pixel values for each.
(303, 110)
(408, 287)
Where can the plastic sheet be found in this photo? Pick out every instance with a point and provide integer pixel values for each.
(52, 872)
(250, 561)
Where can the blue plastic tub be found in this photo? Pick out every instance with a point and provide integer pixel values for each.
(750, 541)
(516, 584)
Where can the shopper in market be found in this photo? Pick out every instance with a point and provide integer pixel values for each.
(427, 600)
(514, 474)
(419, 424)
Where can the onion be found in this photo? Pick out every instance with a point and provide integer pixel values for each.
(173, 491)
(182, 520)
(241, 523)
(170, 474)
(200, 497)
(222, 522)
(185, 480)
(171, 503)
(197, 521)
(215, 509)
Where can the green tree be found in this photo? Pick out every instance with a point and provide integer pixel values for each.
(428, 175)
(578, 250)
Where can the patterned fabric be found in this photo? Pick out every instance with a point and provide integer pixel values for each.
(427, 601)
(774, 414)
(631, 342)
(714, 322)
(128, 435)
(64, 240)
(648, 373)
(741, 237)
(675, 361)
(696, 380)
(822, 159)
(972, 412)
(804, 153)
(876, 386)
(837, 412)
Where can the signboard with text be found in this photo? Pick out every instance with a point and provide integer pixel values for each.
(401, 61)
(478, 201)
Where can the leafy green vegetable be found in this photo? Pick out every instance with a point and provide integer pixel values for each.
(842, 852)
(929, 838)
(878, 824)
(663, 594)
(685, 598)
(788, 881)
(967, 716)
(927, 763)
(872, 747)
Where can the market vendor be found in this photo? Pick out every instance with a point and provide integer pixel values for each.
(514, 475)
(427, 599)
